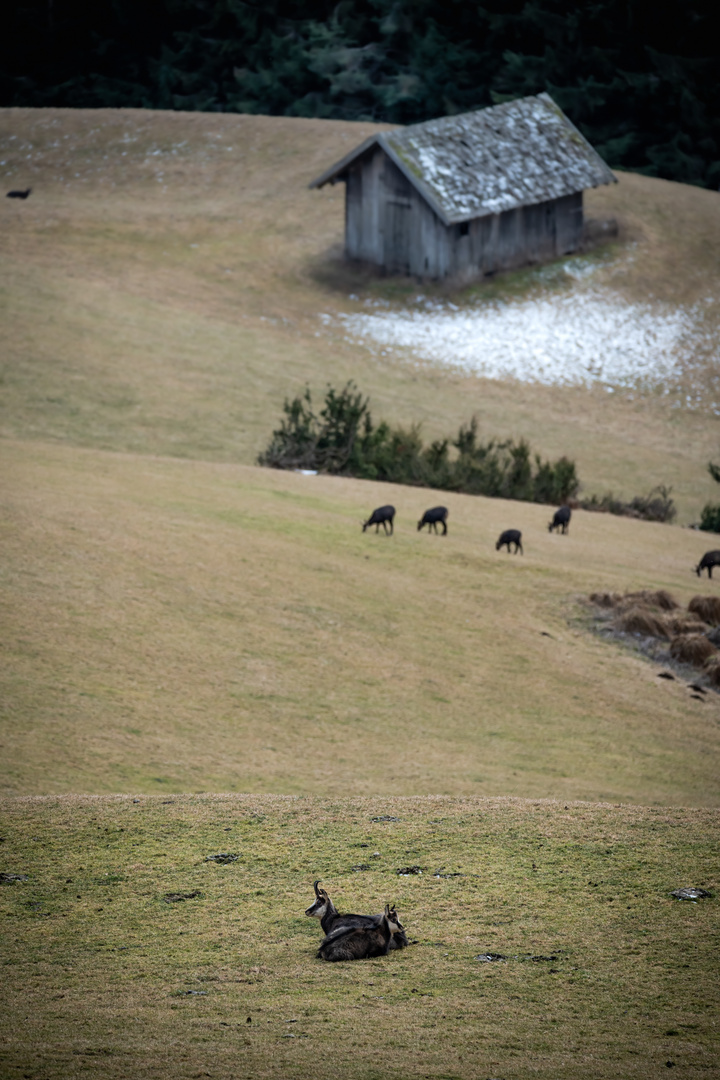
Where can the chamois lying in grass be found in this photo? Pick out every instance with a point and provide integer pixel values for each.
(331, 919)
(362, 942)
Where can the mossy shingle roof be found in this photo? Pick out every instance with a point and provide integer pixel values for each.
(490, 160)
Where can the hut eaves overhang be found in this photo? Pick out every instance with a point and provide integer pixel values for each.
(488, 161)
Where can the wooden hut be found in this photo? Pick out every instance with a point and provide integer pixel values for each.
(469, 195)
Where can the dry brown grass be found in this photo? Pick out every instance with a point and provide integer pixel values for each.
(706, 608)
(692, 649)
(680, 624)
(639, 620)
(167, 302)
(175, 620)
(605, 599)
(654, 600)
(174, 626)
(658, 598)
(656, 613)
(711, 669)
(643, 611)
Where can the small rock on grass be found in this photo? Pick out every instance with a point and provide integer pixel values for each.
(691, 893)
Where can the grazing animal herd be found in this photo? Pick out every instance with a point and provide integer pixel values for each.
(355, 937)
(438, 515)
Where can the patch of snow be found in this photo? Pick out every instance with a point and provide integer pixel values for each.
(580, 338)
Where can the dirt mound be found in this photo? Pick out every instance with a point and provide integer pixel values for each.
(692, 649)
(706, 608)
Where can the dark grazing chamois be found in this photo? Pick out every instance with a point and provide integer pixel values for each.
(709, 559)
(432, 517)
(19, 194)
(362, 942)
(382, 516)
(510, 536)
(331, 919)
(561, 519)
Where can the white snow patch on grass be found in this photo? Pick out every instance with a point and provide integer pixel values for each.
(579, 338)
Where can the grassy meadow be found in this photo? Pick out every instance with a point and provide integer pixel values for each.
(191, 626)
(179, 623)
(162, 285)
(604, 973)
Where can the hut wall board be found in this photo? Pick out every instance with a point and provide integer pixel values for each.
(388, 223)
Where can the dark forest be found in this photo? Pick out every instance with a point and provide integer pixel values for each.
(640, 81)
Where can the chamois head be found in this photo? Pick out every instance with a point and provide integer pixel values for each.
(393, 920)
(322, 903)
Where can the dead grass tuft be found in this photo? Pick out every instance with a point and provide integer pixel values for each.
(641, 598)
(706, 608)
(681, 624)
(692, 649)
(638, 620)
(711, 667)
(605, 599)
(661, 598)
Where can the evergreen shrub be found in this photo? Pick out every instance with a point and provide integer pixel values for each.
(343, 439)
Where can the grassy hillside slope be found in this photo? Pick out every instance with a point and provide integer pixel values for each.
(162, 285)
(604, 976)
(178, 620)
(176, 626)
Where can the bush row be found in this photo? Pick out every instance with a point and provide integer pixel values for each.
(657, 505)
(343, 439)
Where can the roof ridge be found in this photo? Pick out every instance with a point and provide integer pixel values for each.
(488, 160)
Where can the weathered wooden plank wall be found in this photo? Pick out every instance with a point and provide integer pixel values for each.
(388, 223)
